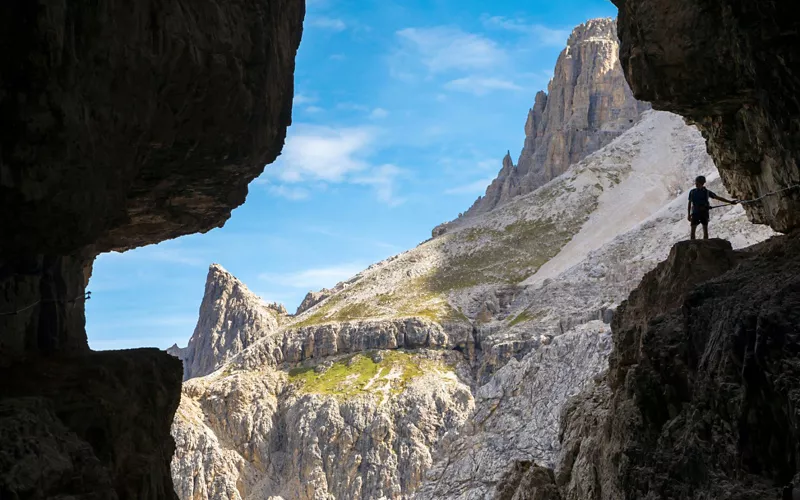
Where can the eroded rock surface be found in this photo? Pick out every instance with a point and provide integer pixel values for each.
(95, 425)
(587, 104)
(121, 125)
(360, 426)
(701, 395)
(731, 67)
(231, 319)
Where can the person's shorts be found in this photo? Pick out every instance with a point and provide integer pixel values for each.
(700, 218)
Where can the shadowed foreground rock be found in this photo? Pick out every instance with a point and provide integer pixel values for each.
(703, 388)
(121, 125)
(733, 67)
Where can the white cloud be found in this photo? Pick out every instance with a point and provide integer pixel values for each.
(480, 85)
(383, 179)
(319, 153)
(303, 99)
(543, 34)
(288, 192)
(337, 57)
(328, 23)
(488, 164)
(378, 113)
(315, 278)
(351, 106)
(478, 187)
(446, 48)
(314, 109)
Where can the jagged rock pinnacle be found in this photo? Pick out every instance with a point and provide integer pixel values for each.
(587, 105)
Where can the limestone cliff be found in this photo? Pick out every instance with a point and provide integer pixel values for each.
(231, 318)
(501, 320)
(587, 105)
(121, 125)
(732, 67)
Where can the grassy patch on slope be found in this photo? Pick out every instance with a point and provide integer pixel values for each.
(359, 374)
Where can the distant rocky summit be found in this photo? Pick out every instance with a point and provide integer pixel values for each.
(442, 372)
(227, 324)
(587, 104)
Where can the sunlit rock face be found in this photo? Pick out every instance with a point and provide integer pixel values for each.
(587, 104)
(231, 319)
(121, 125)
(731, 67)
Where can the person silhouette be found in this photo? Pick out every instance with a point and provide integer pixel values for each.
(699, 205)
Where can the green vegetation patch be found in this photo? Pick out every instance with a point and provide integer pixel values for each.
(526, 315)
(360, 374)
(513, 254)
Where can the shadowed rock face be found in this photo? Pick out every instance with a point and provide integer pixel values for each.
(732, 67)
(703, 387)
(137, 122)
(121, 125)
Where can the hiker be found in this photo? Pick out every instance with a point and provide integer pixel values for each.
(699, 205)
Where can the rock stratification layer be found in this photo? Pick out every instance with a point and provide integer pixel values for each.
(120, 126)
(587, 105)
(732, 67)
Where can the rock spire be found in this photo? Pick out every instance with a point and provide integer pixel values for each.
(587, 105)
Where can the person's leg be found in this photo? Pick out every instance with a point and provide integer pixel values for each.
(705, 230)
(694, 228)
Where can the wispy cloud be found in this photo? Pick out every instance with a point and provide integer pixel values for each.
(315, 278)
(445, 48)
(326, 231)
(303, 99)
(378, 114)
(383, 179)
(351, 106)
(478, 187)
(320, 153)
(481, 85)
(314, 109)
(544, 35)
(288, 192)
(329, 23)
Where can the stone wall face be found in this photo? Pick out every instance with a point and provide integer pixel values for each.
(121, 125)
(732, 68)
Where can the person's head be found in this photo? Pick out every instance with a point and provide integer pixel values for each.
(700, 181)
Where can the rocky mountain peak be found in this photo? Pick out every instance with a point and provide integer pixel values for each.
(231, 318)
(588, 103)
(593, 30)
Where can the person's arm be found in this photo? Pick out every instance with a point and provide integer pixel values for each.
(689, 208)
(712, 194)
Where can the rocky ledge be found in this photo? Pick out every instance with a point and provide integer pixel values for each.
(702, 394)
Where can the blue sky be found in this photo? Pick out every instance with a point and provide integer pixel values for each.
(402, 114)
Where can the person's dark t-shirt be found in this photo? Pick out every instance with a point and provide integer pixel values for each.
(700, 199)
